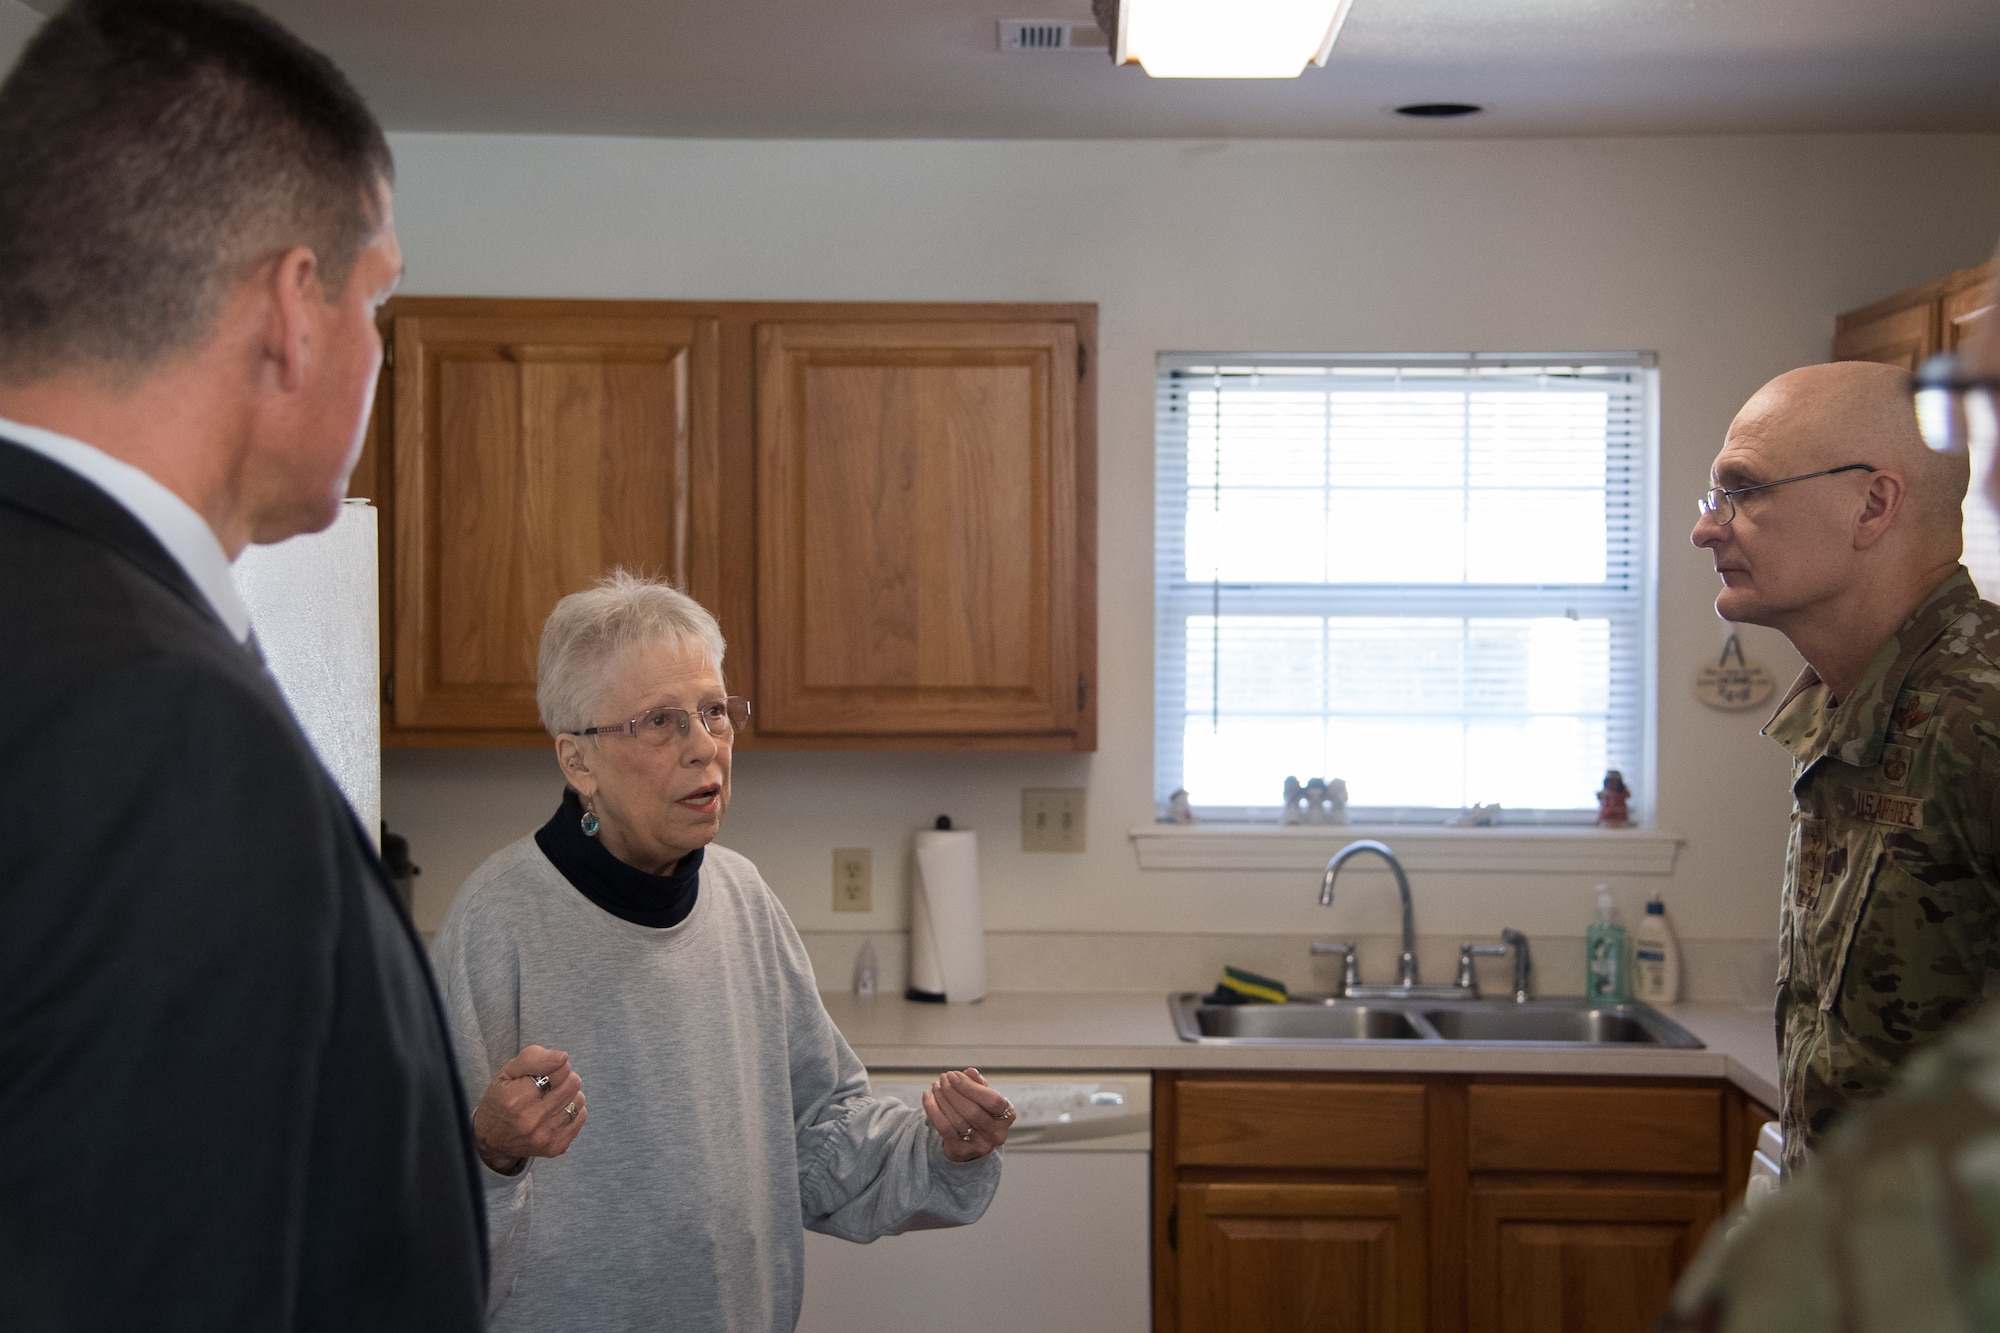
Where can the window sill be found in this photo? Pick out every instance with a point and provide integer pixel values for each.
(1502, 850)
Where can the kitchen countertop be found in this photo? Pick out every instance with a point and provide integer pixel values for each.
(1088, 1030)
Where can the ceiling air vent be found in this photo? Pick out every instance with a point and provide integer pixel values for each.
(1050, 35)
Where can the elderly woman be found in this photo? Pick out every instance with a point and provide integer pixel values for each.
(725, 1111)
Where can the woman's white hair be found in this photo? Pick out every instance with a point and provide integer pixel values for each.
(590, 628)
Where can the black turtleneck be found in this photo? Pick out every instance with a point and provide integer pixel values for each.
(624, 891)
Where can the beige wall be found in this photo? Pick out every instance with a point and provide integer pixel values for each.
(17, 25)
(1727, 256)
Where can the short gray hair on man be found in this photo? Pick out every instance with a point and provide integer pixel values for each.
(590, 628)
(152, 150)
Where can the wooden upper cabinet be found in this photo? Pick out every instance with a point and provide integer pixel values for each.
(536, 446)
(1909, 327)
(1898, 336)
(925, 540)
(891, 509)
(1967, 299)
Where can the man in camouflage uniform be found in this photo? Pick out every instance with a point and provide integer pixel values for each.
(1890, 924)
(1896, 1224)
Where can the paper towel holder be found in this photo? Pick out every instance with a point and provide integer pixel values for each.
(947, 952)
(913, 993)
(942, 823)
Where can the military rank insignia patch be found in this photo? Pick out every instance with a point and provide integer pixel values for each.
(1913, 713)
(1896, 764)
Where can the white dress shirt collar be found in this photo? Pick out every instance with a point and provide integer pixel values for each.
(171, 520)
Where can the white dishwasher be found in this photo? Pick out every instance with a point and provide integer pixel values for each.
(1064, 1246)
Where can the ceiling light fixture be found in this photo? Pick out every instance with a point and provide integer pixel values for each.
(1221, 39)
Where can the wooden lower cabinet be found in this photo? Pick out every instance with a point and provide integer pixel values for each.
(1274, 1258)
(1579, 1260)
(1442, 1204)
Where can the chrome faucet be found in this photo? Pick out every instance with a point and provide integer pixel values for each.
(1524, 966)
(1350, 963)
(1406, 968)
(1468, 979)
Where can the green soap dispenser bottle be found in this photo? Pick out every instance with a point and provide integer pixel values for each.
(1605, 980)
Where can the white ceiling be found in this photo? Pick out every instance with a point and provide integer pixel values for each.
(930, 69)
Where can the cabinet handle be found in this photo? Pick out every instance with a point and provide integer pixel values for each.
(1174, 1227)
(1082, 694)
(1082, 359)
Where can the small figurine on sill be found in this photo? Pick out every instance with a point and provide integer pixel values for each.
(1178, 809)
(1317, 802)
(1612, 809)
(1475, 816)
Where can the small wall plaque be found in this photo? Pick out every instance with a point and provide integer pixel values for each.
(1734, 686)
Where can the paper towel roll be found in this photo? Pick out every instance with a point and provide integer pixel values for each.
(947, 943)
(312, 602)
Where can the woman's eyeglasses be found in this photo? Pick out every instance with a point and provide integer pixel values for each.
(663, 726)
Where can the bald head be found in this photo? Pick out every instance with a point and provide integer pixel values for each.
(1812, 545)
(1845, 412)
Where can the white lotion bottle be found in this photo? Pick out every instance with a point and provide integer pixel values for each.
(1656, 956)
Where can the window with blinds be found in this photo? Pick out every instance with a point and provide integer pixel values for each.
(1429, 576)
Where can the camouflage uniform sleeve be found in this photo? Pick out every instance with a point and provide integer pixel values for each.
(1895, 1227)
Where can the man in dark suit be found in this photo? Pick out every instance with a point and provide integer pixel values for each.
(226, 1093)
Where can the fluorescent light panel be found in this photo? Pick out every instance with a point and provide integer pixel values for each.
(1228, 39)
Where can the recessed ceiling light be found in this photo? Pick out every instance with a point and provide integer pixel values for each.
(1200, 39)
(1438, 110)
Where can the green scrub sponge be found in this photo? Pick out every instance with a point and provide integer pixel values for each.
(1253, 987)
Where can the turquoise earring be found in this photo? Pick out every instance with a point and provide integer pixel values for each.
(589, 823)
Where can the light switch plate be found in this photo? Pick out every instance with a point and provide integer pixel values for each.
(853, 879)
(1052, 819)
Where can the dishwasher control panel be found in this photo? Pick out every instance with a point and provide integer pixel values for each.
(1049, 1106)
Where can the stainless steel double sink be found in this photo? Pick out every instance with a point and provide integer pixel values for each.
(1309, 1021)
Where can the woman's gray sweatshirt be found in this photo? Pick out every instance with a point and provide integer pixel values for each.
(726, 1110)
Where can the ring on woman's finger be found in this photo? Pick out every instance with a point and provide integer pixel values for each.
(966, 1137)
(541, 1083)
(570, 1110)
(1007, 1114)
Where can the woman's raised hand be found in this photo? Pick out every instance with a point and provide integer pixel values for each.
(971, 1118)
(532, 1108)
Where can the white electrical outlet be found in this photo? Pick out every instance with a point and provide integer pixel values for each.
(853, 879)
(1052, 819)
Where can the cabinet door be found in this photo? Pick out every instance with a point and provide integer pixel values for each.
(533, 452)
(1582, 1260)
(923, 565)
(1965, 302)
(1280, 1258)
(1899, 337)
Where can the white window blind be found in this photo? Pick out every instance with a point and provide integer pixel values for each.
(1427, 575)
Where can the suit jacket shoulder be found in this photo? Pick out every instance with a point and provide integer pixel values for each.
(228, 1052)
